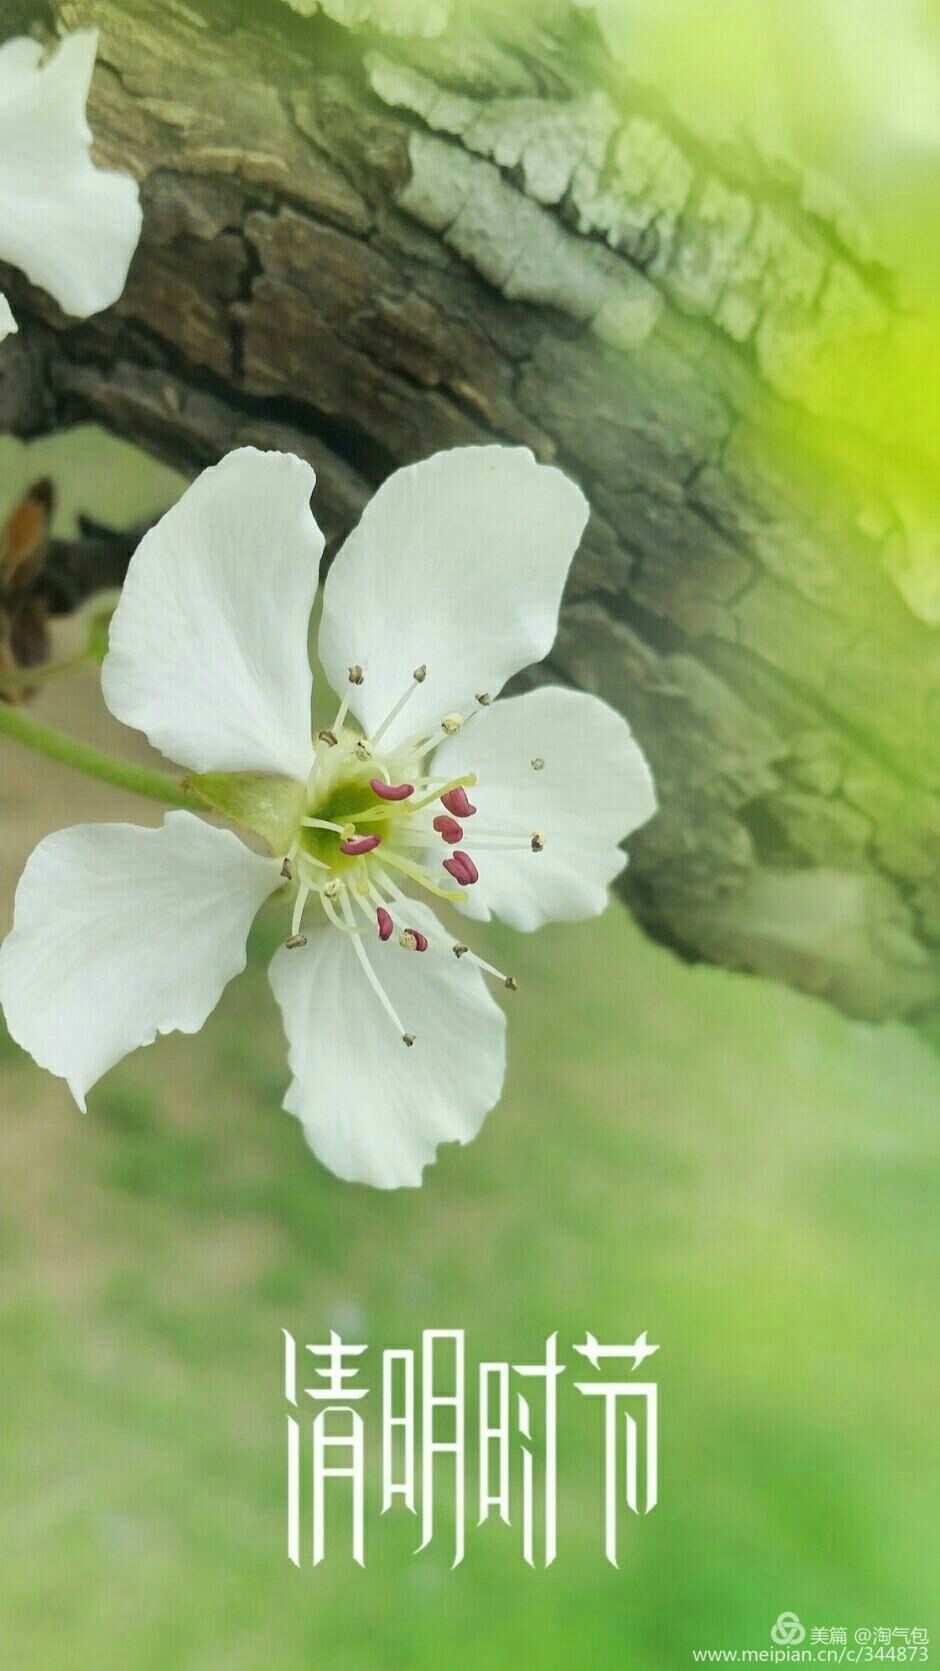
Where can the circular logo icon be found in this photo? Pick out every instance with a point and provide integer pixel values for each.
(788, 1632)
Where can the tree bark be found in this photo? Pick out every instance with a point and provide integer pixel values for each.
(365, 247)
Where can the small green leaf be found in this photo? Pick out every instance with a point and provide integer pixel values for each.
(270, 806)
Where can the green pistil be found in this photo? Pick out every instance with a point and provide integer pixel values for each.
(344, 805)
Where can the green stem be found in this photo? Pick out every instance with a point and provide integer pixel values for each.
(23, 679)
(121, 774)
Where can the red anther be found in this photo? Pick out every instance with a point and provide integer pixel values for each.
(386, 926)
(474, 874)
(359, 845)
(448, 828)
(420, 940)
(391, 791)
(462, 868)
(458, 802)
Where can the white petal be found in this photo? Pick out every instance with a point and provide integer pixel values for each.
(209, 641)
(594, 789)
(70, 226)
(372, 1109)
(7, 322)
(19, 58)
(121, 933)
(458, 563)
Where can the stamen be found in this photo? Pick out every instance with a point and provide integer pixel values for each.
(458, 802)
(467, 780)
(509, 981)
(412, 940)
(327, 895)
(328, 737)
(414, 835)
(509, 844)
(383, 914)
(287, 871)
(440, 940)
(359, 845)
(417, 678)
(391, 791)
(394, 893)
(356, 677)
(324, 824)
(362, 750)
(307, 860)
(462, 868)
(423, 742)
(377, 814)
(538, 764)
(402, 901)
(372, 977)
(295, 942)
(303, 894)
(448, 829)
(419, 875)
(452, 723)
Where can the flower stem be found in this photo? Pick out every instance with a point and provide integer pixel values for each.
(26, 679)
(121, 774)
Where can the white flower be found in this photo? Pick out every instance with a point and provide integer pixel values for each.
(70, 226)
(450, 584)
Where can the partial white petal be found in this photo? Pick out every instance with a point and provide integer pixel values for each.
(458, 563)
(7, 322)
(20, 57)
(373, 1110)
(209, 641)
(70, 226)
(121, 933)
(594, 789)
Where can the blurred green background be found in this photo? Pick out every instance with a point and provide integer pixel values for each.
(735, 1168)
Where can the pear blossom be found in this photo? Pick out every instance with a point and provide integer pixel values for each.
(422, 789)
(70, 226)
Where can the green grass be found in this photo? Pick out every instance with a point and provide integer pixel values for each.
(737, 1169)
(745, 1174)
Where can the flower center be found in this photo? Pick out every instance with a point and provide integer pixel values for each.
(376, 821)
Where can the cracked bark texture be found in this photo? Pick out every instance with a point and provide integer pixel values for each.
(371, 232)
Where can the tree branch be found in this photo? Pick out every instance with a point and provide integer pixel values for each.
(364, 250)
